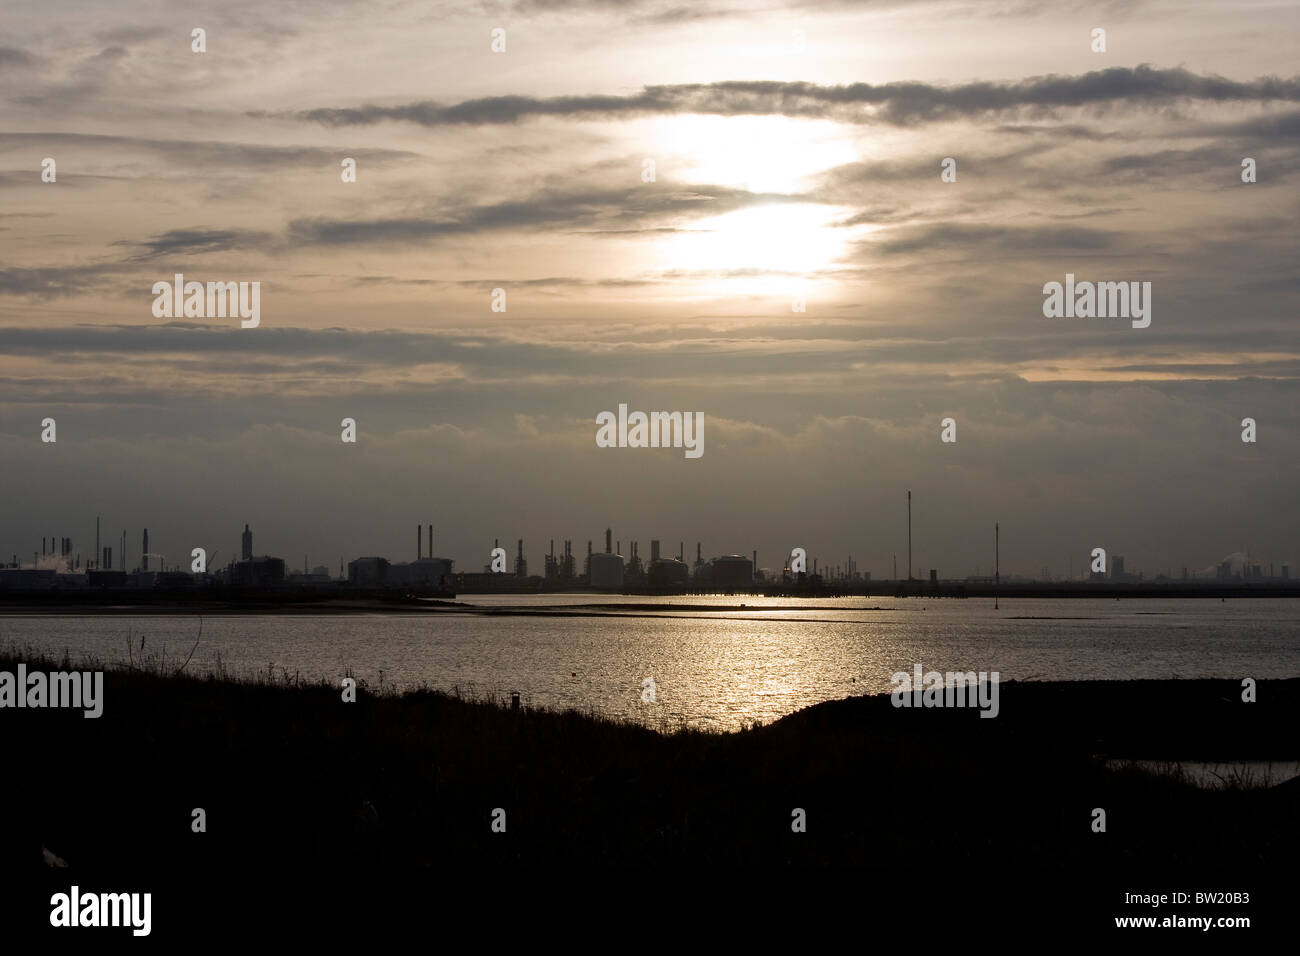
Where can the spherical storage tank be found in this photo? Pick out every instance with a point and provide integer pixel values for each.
(606, 570)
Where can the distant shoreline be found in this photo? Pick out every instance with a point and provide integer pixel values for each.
(585, 604)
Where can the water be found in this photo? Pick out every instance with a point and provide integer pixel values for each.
(712, 669)
(1245, 774)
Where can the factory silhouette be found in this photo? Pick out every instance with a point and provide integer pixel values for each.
(64, 569)
(59, 573)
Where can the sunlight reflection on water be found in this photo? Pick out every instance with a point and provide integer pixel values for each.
(718, 670)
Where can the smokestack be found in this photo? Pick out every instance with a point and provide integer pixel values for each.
(608, 533)
(620, 547)
(753, 571)
(430, 540)
(698, 559)
(909, 536)
(654, 550)
(997, 554)
(419, 541)
(144, 552)
(42, 547)
(681, 551)
(552, 547)
(97, 551)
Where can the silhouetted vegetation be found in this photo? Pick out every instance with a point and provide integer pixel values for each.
(291, 776)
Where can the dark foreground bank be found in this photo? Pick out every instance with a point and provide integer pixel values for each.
(300, 789)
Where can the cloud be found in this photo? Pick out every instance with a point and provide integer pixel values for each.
(11, 58)
(201, 153)
(548, 208)
(53, 281)
(901, 103)
(197, 241)
(1280, 126)
(669, 12)
(980, 241)
(642, 352)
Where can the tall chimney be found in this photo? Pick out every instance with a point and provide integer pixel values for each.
(430, 540)
(654, 549)
(909, 536)
(754, 567)
(608, 533)
(97, 551)
(144, 552)
(419, 541)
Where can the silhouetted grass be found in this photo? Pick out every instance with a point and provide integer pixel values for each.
(289, 773)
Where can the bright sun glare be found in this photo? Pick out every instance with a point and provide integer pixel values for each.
(777, 237)
(773, 247)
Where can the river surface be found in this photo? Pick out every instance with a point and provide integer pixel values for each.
(714, 669)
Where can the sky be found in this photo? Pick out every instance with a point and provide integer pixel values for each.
(797, 154)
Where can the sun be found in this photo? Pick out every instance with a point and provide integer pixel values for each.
(784, 238)
(777, 240)
(761, 154)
